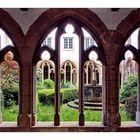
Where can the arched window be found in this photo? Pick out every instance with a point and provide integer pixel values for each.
(52, 74)
(128, 79)
(68, 72)
(93, 72)
(9, 79)
(45, 71)
(69, 56)
(74, 76)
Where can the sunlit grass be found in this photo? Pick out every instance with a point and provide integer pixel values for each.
(46, 113)
(10, 114)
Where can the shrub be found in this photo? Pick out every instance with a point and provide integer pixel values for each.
(39, 86)
(69, 95)
(10, 96)
(65, 85)
(46, 96)
(48, 83)
(131, 106)
(128, 88)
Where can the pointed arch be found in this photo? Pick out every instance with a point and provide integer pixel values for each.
(12, 29)
(127, 26)
(41, 27)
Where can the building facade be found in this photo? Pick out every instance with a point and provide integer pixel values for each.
(69, 58)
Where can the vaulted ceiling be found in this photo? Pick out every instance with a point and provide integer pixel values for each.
(110, 17)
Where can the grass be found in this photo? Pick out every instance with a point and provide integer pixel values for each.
(10, 114)
(46, 113)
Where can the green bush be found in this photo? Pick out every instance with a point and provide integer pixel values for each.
(69, 95)
(131, 106)
(65, 85)
(39, 86)
(10, 96)
(49, 84)
(128, 88)
(46, 96)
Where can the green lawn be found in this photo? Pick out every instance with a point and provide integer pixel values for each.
(46, 113)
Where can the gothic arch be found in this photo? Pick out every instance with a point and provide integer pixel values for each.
(15, 33)
(13, 30)
(71, 62)
(37, 30)
(127, 26)
(49, 20)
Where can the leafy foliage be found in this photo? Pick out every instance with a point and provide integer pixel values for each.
(9, 76)
(129, 88)
(46, 96)
(10, 96)
(65, 85)
(69, 95)
(49, 84)
(38, 74)
(131, 106)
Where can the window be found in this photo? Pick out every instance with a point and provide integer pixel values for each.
(88, 42)
(68, 73)
(49, 41)
(46, 71)
(68, 43)
(44, 43)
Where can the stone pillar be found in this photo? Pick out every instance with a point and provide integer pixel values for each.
(138, 85)
(24, 117)
(64, 73)
(111, 116)
(87, 75)
(104, 97)
(33, 96)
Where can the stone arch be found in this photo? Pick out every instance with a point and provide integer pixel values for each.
(15, 33)
(127, 26)
(51, 19)
(38, 29)
(12, 29)
(71, 62)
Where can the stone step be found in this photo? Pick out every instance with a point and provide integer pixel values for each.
(74, 105)
(94, 104)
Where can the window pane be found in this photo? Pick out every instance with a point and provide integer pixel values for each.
(49, 41)
(70, 43)
(65, 43)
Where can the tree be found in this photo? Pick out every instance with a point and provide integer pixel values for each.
(128, 88)
(9, 75)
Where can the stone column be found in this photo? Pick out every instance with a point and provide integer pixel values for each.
(111, 116)
(33, 96)
(24, 117)
(104, 97)
(87, 75)
(138, 85)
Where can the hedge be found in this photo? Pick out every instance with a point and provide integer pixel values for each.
(46, 96)
(10, 96)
